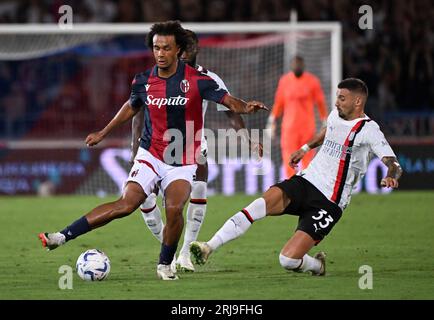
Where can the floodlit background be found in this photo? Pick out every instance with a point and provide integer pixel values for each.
(58, 85)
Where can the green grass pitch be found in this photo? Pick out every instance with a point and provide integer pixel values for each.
(392, 234)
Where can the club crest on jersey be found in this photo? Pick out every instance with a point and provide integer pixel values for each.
(184, 85)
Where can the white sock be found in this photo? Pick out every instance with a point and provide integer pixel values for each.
(310, 264)
(195, 215)
(152, 216)
(289, 263)
(307, 263)
(238, 224)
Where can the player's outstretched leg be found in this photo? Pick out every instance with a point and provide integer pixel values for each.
(272, 203)
(52, 240)
(131, 199)
(195, 216)
(294, 255)
(233, 228)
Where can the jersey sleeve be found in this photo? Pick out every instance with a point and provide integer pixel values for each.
(137, 95)
(222, 85)
(210, 90)
(377, 142)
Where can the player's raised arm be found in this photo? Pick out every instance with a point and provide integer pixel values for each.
(240, 106)
(312, 144)
(394, 172)
(123, 115)
(136, 130)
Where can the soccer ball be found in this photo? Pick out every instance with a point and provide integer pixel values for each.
(93, 265)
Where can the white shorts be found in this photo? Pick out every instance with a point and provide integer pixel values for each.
(149, 171)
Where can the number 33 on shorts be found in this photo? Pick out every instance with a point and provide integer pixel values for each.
(323, 219)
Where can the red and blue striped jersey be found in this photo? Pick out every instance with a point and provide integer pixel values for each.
(173, 111)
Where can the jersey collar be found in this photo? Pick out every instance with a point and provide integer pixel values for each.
(180, 66)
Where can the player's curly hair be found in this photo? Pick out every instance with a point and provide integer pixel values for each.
(169, 28)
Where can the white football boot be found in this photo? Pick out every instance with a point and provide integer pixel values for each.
(183, 263)
(164, 272)
(200, 252)
(51, 240)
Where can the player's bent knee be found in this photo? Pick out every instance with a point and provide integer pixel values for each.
(174, 209)
(289, 263)
(130, 207)
(124, 208)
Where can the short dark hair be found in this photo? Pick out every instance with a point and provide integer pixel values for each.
(354, 84)
(192, 36)
(169, 28)
(299, 58)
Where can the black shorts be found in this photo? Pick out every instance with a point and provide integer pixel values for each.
(317, 214)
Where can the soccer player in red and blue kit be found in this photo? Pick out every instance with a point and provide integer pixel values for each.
(171, 95)
(196, 209)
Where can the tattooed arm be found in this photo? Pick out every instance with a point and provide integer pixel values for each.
(393, 173)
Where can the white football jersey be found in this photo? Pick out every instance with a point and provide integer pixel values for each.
(216, 78)
(344, 156)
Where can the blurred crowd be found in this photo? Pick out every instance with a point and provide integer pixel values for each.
(395, 58)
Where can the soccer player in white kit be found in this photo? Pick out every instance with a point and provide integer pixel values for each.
(318, 194)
